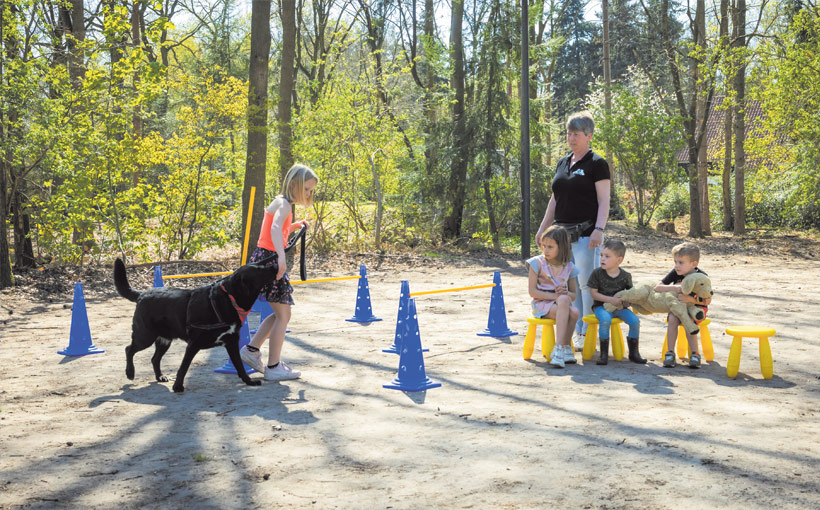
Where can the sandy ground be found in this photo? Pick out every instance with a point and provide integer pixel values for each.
(500, 432)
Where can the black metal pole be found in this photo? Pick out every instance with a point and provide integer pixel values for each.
(525, 131)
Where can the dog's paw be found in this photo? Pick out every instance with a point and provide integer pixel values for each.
(178, 388)
(163, 378)
(253, 382)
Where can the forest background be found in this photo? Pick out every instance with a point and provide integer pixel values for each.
(138, 128)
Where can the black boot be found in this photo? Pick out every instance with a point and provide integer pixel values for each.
(604, 357)
(634, 355)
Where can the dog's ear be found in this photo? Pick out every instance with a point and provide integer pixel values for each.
(688, 284)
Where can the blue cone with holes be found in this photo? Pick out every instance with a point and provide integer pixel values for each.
(497, 321)
(404, 296)
(411, 375)
(363, 312)
(158, 277)
(79, 339)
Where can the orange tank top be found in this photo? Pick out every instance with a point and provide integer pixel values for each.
(265, 240)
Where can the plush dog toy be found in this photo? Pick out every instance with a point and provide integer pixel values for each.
(645, 300)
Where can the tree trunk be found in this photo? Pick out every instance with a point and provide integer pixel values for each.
(23, 248)
(377, 189)
(607, 92)
(76, 56)
(287, 83)
(6, 276)
(727, 169)
(256, 157)
(727, 124)
(458, 169)
(430, 152)
(693, 141)
(701, 114)
(375, 40)
(739, 21)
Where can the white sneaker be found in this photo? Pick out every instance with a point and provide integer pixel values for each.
(557, 357)
(578, 341)
(282, 372)
(569, 356)
(253, 359)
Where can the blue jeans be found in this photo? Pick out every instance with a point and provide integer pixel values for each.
(626, 315)
(586, 261)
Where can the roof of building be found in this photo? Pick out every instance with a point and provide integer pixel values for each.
(715, 130)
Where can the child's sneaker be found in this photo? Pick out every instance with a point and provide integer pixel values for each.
(254, 359)
(578, 341)
(557, 357)
(282, 372)
(569, 356)
(694, 360)
(669, 359)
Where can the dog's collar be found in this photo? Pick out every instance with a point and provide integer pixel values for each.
(243, 314)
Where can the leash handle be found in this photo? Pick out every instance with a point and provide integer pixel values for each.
(300, 236)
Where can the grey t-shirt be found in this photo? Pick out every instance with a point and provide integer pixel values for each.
(607, 285)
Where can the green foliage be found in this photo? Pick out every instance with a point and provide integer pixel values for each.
(789, 194)
(348, 138)
(675, 202)
(643, 137)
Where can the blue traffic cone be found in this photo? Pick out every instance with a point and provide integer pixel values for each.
(261, 307)
(364, 313)
(158, 277)
(404, 296)
(411, 375)
(79, 339)
(497, 321)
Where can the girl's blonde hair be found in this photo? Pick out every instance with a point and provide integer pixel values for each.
(561, 237)
(293, 187)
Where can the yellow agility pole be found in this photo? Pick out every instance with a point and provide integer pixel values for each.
(316, 280)
(441, 291)
(177, 276)
(248, 226)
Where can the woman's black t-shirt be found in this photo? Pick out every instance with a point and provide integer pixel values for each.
(576, 199)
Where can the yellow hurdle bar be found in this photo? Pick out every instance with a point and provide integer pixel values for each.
(247, 228)
(177, 276)
(316, 280)
(414, 294)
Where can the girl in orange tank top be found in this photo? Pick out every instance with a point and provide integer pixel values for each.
(298, 187)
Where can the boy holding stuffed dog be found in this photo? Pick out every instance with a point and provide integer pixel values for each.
(686, 256)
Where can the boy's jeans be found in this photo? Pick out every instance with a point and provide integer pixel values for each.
(626, 315)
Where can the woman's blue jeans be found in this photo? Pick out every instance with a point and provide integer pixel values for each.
(586, 260)
(626, 315)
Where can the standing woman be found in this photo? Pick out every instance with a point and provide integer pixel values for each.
(580, 204)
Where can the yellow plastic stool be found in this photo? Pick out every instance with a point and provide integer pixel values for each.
(683, 342)
(616, 338)
(762, 333)
(547, 336)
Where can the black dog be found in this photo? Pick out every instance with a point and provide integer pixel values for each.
(203, 317)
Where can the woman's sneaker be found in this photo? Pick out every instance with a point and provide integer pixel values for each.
(578, 341)
(694, 360)
(569, 356)
(669, 359)
(282, 372)
(557, 357)
(253, 359)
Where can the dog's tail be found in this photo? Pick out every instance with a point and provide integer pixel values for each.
(121, 282)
